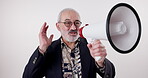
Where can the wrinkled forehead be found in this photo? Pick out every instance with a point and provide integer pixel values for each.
(70, 15)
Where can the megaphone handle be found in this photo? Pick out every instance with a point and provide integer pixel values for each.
(97, 58)
(91, 40)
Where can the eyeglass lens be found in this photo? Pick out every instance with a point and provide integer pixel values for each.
(69, 23)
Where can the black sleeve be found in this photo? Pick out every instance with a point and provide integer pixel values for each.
(108, 71)
(34, 68)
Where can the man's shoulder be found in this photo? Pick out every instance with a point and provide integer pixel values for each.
(83, 40)
(56, 42)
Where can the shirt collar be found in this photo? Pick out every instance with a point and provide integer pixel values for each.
(64, 44)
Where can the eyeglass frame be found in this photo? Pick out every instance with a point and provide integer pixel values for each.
(71, 23)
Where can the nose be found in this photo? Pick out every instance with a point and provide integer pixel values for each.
(73, 27)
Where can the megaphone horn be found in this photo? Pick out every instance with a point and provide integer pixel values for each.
(122, 30)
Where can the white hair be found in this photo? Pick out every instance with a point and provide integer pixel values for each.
(66, 9)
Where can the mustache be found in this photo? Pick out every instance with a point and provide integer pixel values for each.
(73, 31)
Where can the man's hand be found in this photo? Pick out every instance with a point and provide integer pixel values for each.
(97, 49)
(43, 39)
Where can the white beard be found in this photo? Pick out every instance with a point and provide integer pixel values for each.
(68, 37)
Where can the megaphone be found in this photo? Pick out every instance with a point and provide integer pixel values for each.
(122, 29)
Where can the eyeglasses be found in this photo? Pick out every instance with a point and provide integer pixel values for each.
(77, 23)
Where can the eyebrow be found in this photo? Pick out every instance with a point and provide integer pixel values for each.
(69, 20)
(77, 20)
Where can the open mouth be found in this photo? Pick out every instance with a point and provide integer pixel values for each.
(73, 33)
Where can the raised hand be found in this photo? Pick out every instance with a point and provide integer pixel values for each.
(43, 39)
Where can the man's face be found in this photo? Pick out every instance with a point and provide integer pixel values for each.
(69, 26)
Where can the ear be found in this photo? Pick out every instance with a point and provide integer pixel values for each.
(58, 26)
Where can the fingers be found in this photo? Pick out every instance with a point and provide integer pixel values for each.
(97, 45)
(100, 47)
(51, 37)
(44, 28)
(98, 52)
(97, 49)
(101, 53)
(89, 46)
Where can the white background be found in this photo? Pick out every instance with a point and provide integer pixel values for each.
(20, 22)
